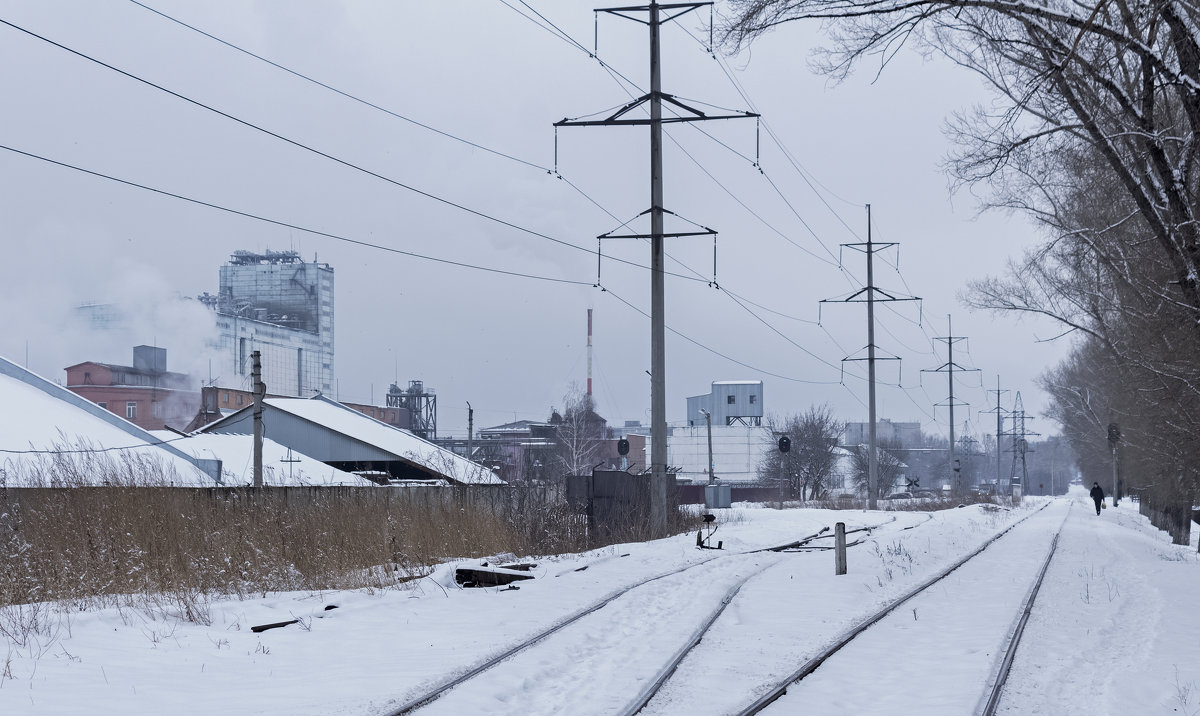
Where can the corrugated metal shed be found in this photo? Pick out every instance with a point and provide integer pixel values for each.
(336, 435)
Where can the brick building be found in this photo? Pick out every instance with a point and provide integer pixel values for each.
(145, 393)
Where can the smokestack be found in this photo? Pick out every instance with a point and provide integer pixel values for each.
(589, 351)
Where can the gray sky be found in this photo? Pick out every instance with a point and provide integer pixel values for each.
(478, 70)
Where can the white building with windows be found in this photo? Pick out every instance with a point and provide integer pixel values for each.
(282, 306)
(731, 402)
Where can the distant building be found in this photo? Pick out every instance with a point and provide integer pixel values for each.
(282, 306)
(731, 402)
(736, 452)
(47, 418)
(145, 393)
(345, 439)
(906, 434)
(217, 402)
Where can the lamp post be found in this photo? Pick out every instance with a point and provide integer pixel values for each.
(708, 423)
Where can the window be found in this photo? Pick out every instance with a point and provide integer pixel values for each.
(103, 405)
(729, 399)
(753, 399)
(225, 397)
(239, 398)
(156, 408)
(131, 410)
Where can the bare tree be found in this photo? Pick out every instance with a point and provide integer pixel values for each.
(807, 468)
(889, 467)
(579, 433)
(1119, 80)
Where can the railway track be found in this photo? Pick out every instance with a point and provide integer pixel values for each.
(988, 702)
(647, 692)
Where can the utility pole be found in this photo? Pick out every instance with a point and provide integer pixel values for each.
(658, 401)
(999, 411)
(708, 423)
(260, 390)
(867, 295)
(470, 427)
(949, 367)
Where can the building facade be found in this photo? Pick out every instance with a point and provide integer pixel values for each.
(731, 402)
(145, 393)
(282, 306)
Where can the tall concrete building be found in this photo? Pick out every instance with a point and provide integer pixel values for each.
(282, 306)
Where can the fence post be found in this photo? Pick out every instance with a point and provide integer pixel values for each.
(839, 539)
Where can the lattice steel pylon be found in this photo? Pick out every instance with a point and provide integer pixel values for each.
(1020, 445)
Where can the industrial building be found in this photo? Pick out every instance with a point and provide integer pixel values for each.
(282, 306)
(145, 393)
(52, 436)
(731, 402)
(347, 440)
(736, 452)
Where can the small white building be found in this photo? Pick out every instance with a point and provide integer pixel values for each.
(736, 452)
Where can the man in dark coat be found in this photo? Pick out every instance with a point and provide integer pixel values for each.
(1097, 494)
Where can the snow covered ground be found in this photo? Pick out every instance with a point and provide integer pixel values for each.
(1114, 630)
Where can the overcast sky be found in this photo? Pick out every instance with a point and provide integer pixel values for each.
(482, 72)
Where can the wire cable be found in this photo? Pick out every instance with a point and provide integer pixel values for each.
(325, 155)
(288, 225)
(343, 93)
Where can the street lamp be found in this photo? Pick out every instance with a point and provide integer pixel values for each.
(708, 422)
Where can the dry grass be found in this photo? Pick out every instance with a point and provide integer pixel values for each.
(168, 550)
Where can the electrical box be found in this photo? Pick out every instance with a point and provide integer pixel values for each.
(717, 496)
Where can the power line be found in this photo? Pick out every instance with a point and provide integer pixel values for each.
(335, 90)
(717, 353)
(343, 162)
(288, 225)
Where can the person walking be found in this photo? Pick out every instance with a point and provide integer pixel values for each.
(1097, 494)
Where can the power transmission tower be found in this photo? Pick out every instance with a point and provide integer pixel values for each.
(949, 367)
(999, 411)
(871, 294)
(1020, 446)
(657, 15)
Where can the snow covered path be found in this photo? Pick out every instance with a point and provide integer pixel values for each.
(1112, 631)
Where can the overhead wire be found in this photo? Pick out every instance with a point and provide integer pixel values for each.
(556, 31)
(289, 225)
(338, 91)
(326, 155)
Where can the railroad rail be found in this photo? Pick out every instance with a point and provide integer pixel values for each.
(998, 680)
(664, 674)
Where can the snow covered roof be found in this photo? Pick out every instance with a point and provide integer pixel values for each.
(402, 444)
(47, 431)
(282, 466)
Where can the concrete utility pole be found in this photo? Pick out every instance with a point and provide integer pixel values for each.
(470, 427)
(658, 372)
(868, 295)
(708, 423)
(949, 367)
(260, 391)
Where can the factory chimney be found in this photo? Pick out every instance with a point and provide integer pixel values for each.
(589, 352)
